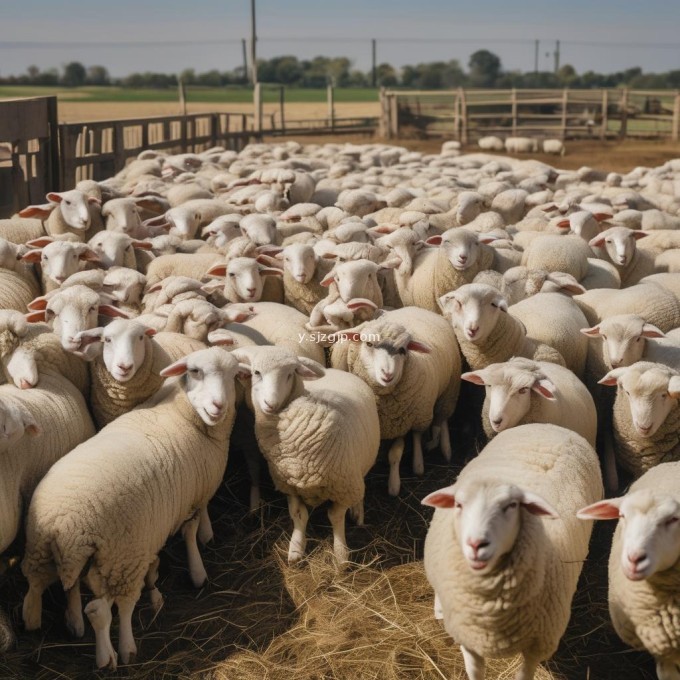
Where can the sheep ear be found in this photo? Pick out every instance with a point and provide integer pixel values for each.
(382, 229)
(269, 261)
(269, 249)
(434, 240)
(566, 282)
(93, 200)
(486, 238)
(142, 245)
(638, 234)
(444, 301)
(35, 317)
(328, 279)
(32, 256)
(150, 332)
(110, 310)
(221, 338)
(607, 509)
(612, 377)
(38, 303)
(545, 388)
(674, 387)
(361, 303)
(270, 271)
(308, 369)
(473, 377)
(40, 242)
(602, 217)
(86, 338)
(31, 427)
(564, 224)
(236, 315)
(593, 332)
(550, 208)
(217, 270)
(597, 241)
(155, 287)
(650, 331)
(502, 304)
(415, 346)
(41, 212)
(392, 263)
(178, 368)
(537, 506)
(89, 256)
(442, 498)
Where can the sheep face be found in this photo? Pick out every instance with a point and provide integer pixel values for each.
(623, 338)
(75, 207)
(244, 275)
(122, 215)
(487, 518)
(60, 259)
(651, 391)
(650, 527)
(356, 279)
(208, 382)
(462, 248)
(474, 310)
(300, 261)
(620, 244)
(115, 249)
(124, 349)
(15, 421)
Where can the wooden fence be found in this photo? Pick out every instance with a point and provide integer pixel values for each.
(467, 115)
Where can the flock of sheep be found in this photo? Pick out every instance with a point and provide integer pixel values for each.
(345, 295)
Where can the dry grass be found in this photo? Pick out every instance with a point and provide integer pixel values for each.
(259, 618)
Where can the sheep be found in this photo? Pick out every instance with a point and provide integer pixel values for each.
(183, 431)
(553, 253)
(260, 229)
(486, 333)
(28, 350)
(402, 353)
(618, 244)
(18, 230)
(126, 287)
(186, 218)
(319, 439)
(196, 318)
(194, 266)
(244, 280)
(123, 214)
(554, 147)
(127, 372)
(58, 259)
(69, 311)
(520, 283)
(522, 391)
(558, 328)
(39, 427)
(18, 285)
(503, 577)
(584, 224)
(303, 271)
(491, 143)
(643, 565)
(646, 417)
(521, 145)
(115, 249)
(68, 212)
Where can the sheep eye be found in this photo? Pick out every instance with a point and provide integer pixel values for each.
(45, 258)
(457, 505)
(402, 350)
(194, 371)
(671, 520)
(511, 506)
(67, 202)
(129, 247)
(638, 338)
(608, 240)
(141, 337)
(107, 339)
(257, 373)
(232, 274)
(369, 344)
(523, 390)
(604, 337)
(93, 309)
(493, 304)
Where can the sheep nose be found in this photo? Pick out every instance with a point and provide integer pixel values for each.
(463, 258)
(124, 367)
(477, 544)
(60, 279)
(497, 421)
(637, 556)
(251, 290)
(616, 364)
(387, 377)
(219, 405)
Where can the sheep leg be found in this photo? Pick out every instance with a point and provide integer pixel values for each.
(336, 514)
(74, 611)
(436, 435)
(445, 441)
(127, 649)
(299, 514)
(438, 609)
(32, 609)
(196, 568)
(99, 613)
(205, 530)
(394, 456)
(528, 669)
(474, 664)
(150, 584)
(253, 459)
(611, 477)
(356, 512)
(418, 463)
(667, 670)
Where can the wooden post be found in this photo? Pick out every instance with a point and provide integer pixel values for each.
(675, 131)
(456, 116)
(183, 133)
(118, 146)
(182, 97)
(53, 170)
(282, 115)
(331, 107)
(464, 117)
(67, 144)
(384, 124)
(513, 103)
(214, 128)
(394, 116)
(565, 106)
(145, 135)
(623, 130)
(605, 111)
(257, 103)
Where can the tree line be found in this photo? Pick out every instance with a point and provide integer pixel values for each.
(484, 70)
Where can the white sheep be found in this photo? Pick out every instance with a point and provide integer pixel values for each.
(522, 391)
(619, 245)
(521, 145)
(115, 249)
(555, 147)
(646, 417)
(520, 283)
(18, 285)
(405, 352)
(504, 550)
(319, 438)
(490, 143)
(184, 431)
(643, 565)
(244, 280)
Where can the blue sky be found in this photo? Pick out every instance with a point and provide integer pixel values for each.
(604, 36)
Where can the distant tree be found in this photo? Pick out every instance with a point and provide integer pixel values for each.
(188, 76)
(386, 75)
(358, 79)
(485, 67)
(33, 73)
(74, 74)
(567, 76)
(97, 75)
(209, 79)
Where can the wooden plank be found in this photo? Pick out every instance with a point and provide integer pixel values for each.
(605, 114)
(331, 106)
(675, 128)
(623, 130)
(464, 117)
(53, 167)
(23, 119)
(565, 106)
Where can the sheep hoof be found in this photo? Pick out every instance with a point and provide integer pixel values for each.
(75, 625)
(128, 655)
(393, 486)
(199, 578)
(157, 601)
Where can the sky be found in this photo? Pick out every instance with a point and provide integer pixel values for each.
(170, 35)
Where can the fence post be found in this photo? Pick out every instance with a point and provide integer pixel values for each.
(384, 124)
(623, 130)
(53, 166)
(67, 144)
(565, 106)
(118, 147)
(456, 116)
(675, 132)
(282, 97)
(257, 103)
(182, 97)
(331, 106)
(394, 116)
(605, 112)
(464, 117)
(183, 134)
(513, 102)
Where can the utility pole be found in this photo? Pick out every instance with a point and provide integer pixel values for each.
(557, 56)
(244, 43)
(253, 40)
(536, 46)
(374, 69)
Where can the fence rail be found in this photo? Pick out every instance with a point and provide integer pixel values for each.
(467, 115)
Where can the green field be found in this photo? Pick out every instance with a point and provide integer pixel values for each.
(194, 94)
